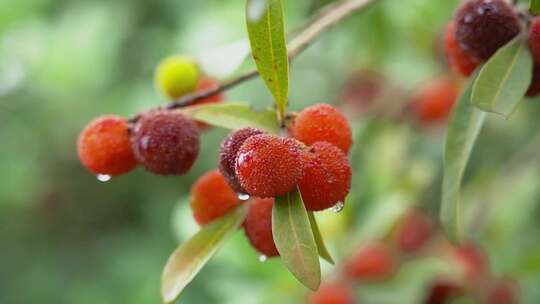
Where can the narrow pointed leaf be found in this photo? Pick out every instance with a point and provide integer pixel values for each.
(268, 47)
(504, 79)
(189, 258)
(294, 239)
(463, 129)
(233, 116)
(535, 7)
(321, 247)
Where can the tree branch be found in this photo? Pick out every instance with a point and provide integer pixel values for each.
(321, 22)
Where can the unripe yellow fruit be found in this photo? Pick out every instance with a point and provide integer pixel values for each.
(176, 76)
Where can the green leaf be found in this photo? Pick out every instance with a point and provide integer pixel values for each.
(535, 7)
(321, 247)
(504, 79)
(189, 258)
(464, 127)
(268, 47)
(294, 239)
(233, 116)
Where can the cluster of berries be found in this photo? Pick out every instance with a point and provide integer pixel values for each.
(416, 235)
(260, 166)
(480, 28)
(164, 142)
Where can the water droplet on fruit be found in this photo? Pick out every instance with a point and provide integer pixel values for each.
(243, 196)
(103, 178)
(263, 258)
(338, 207)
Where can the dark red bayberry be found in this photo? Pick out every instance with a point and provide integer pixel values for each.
(229, 151)
(258, 226)
(483, 26)
(165, 142)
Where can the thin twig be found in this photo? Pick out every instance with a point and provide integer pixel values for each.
(321, 22)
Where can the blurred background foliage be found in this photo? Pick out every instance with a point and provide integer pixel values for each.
(68, 238)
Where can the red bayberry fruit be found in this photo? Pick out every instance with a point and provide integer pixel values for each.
(268, 166)
(483, 26)
(258, 226)
(373, 262)
(534, 39)
(473, 260)
(534, 87)
(326, 177)
(434, 101)
(332, 293)
(322, 122)
(442, 292)
(104, 147)
(414, 231)
(503, 291)
(458, 61)
(165, 142)
(212, 197)
(362, 89)
(207, 83)
(229, 151)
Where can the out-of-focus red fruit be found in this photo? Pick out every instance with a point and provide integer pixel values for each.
(458, 61)
(361, 89)
(503, 291)
(258, 226)
(434, 101)
(212, 197)
(414, 231)
(534, 39)
(207, 83)
(104, 146)
(332, 293)
(474, 261)
(534, 88)
(372, 262)
(442, 292)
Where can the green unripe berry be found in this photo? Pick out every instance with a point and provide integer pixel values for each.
(176, 76)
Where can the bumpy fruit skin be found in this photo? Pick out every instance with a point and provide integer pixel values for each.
(534, 87)
(322, 122)
(258, 226)
(228, 152)
(176, 76)
(534, 39)
(414, 231)
(442, 292)
(458, 61)
(373, 262)
(434, 101)
(332, 293)
(483, 26)
(268, 166)
(326, 178)
(104, 146)
(503, 291)
(165, 143)
(212, 197)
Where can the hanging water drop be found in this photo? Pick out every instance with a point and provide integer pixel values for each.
(263, 258)
(338, 207)
(103, 178)
(243, 196)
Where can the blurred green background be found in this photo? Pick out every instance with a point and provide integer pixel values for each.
(68, 238)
